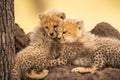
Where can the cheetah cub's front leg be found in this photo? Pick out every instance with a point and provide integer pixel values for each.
(51, 63)
(84, 70)
(35, 75)
(98, 64)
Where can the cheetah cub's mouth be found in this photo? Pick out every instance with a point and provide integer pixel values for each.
(68, 40)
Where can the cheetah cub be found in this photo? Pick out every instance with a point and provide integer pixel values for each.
(49, 22)
(35, 56)
(105, 51)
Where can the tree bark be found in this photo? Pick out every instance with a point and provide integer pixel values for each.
(7, 50)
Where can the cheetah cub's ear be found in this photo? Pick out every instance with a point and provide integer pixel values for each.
(62, 15)
(41, 16)
(79, 28)
(79, 24)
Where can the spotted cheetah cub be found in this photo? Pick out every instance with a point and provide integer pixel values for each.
(35, 56)
(106, 51)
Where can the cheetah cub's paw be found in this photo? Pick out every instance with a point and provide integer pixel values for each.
(83, 70)
(35, 75)
(78, 69)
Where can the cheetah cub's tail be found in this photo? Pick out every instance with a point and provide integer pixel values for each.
(35, 75)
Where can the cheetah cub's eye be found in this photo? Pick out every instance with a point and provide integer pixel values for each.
(46, 27)
(64, 32)
(61, 17)
(55, 26)
(79, 28)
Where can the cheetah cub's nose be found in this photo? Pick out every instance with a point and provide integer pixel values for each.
(59, 38)
(51, 34)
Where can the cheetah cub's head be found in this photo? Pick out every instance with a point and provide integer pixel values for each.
(70, 30)
(50, 21)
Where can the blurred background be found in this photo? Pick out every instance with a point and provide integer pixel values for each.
(91, 11)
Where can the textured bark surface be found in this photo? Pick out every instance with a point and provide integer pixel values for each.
(21, 39)
(64, 73)
(7, 50)
(105, 30)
